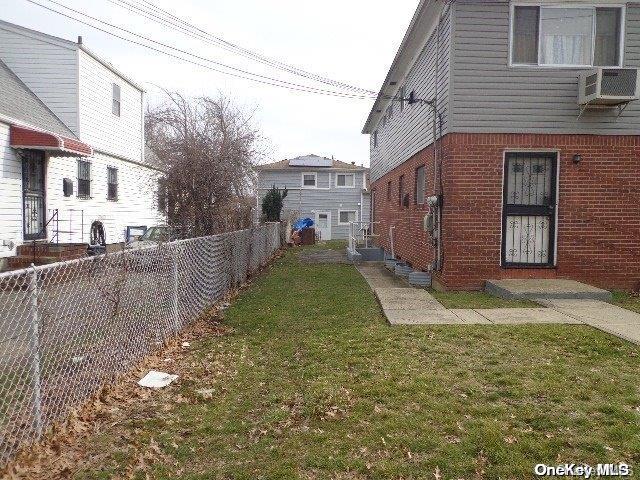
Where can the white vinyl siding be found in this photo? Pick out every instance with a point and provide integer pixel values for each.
(47, 66)
(11, 197)
(116, 135)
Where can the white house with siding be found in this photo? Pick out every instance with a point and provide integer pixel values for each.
(72, 147)
(330, 192)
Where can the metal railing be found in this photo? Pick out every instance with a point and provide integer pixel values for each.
(68, 328)
(361, 235)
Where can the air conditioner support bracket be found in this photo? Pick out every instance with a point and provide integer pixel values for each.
(620, 107)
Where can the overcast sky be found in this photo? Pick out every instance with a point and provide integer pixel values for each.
(353, 41)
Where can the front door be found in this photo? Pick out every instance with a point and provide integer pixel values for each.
(33, 199)
(323, 225)
(529, 209)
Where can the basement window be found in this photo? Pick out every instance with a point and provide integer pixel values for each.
(573, 36)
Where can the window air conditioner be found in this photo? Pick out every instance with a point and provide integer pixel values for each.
(608, 86)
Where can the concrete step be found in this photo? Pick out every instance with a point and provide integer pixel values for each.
(532, 289)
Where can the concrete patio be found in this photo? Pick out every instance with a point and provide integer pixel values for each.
(405, 305)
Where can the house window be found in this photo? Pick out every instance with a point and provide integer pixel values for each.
(309, 180)
(375, 139)
(400, 189)
(345, 180)
(389, 188)
(115, 104)
(84, 179)
(112, 183)
(420, 185)
(566, 36)
(346, 216)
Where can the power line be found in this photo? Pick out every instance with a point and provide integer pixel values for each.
(158, 15)
(260, 78)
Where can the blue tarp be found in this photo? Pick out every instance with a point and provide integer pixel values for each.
(302, 223)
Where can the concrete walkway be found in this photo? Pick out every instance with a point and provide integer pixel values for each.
(405, 305)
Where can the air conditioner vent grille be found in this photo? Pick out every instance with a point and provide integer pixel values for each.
(619, 82)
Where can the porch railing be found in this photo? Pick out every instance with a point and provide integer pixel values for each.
(361, 235)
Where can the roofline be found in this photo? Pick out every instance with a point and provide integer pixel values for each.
(110, 67)
(63, 42)
(421, 26)
(27, 89)
(51, 38)
(353, 168)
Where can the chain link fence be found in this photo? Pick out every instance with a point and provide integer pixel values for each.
(68, 328)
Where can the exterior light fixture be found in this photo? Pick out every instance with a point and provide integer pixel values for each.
(577, 158)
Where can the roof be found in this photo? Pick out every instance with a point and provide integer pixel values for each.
(335, 164)
(19, 104)
(422, 25)
(63, 42)
(34, 139)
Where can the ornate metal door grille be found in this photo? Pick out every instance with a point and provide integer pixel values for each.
(529, 202)
(33, 182)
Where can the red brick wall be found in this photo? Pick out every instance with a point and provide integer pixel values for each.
(598, 209)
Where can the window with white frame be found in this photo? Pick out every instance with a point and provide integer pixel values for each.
(567, 35)
(347, 216)
(309, 180)
(345, 180)
(420, 185)
(84, 178)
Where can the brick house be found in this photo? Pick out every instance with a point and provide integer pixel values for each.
(526, 178)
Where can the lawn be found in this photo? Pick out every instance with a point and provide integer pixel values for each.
(311, 382)
(478, 300)
(630, 301)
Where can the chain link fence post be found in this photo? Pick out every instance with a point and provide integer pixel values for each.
(35, 350)
(175, 293)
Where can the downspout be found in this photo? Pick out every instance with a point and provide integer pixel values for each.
(437, 172)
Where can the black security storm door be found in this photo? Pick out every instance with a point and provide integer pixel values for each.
(33, 197)
(529, 209)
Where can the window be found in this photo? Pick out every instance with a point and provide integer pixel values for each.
(345, 180)
(115, 104)
(375, 139)
(400, 189)
(84, 179)
(420, 185)
(346, 216)
(112, 183)
(389, 188)
(566, 36)
(309, 180)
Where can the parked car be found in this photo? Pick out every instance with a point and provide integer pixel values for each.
(153, 236)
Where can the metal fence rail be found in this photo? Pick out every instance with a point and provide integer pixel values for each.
(68, 328)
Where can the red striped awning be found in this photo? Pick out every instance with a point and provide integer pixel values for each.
(25, 137)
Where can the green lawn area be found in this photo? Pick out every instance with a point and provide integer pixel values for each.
(477, 300)
(626, 300)
(311, 382)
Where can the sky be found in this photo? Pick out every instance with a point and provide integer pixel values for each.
(352, 41)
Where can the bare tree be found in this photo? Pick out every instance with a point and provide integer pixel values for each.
(207, 147)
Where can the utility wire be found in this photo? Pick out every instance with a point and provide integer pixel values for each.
(158, 15)
(260, 78)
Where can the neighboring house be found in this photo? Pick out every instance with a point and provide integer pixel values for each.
(72, 144)
(526, 182)
(330, 192)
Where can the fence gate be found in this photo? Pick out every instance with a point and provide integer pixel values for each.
(529, 208)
